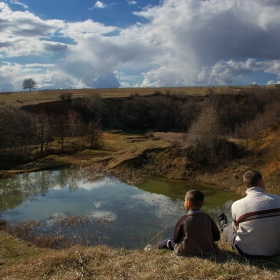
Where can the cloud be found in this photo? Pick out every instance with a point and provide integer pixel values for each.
(19, 3)
(55, 47)
(224, 72)
(21, 32)
(177, 43)
(100, 5)
(202, 34)
(24, 29)
(271, 82)
(132, 2)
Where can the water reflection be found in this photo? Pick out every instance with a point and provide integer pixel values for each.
(103, 211)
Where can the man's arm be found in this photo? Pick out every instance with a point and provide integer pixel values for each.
(234, 217)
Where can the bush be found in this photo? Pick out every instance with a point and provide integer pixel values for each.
(66, 97)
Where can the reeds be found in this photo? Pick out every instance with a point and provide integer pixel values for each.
(60, 235)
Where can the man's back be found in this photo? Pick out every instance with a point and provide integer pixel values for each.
(257, 221)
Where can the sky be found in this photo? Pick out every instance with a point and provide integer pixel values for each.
(141, 43)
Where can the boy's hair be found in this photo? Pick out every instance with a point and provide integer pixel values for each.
(196, 198)
(251, 178)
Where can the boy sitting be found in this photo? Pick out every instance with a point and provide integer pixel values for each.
(195, 232)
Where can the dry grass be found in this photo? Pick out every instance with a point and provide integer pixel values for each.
(102, 262)
(134, 146)
(175, 139)
(34, 97)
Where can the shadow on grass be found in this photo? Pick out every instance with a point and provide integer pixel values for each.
(263, 263)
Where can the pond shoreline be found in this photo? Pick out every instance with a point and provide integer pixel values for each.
(166, 162)
(130, 156)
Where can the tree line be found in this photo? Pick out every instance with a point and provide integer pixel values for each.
(208, 122)
(27, 136)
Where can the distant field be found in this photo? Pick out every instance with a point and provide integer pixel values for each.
(34, 97)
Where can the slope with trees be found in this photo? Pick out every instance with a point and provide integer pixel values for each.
(216, 127)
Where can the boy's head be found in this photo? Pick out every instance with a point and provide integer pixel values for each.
(194, 200)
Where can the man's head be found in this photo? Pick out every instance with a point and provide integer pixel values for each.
(252, 179)
(194, 200)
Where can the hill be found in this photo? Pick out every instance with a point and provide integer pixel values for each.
(34, 97)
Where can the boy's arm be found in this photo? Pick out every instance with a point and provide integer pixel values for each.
(179, 230)
(215, 231)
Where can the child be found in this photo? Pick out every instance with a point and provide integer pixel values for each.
(195, 232)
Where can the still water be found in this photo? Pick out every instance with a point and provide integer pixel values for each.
(105, 211)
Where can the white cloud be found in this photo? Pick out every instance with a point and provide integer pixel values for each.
(202, 34)
(224, 72)
(100, 5)
(178, 43)
(132, 2)
(109, 216)
(270, 83)
(20, 29)
(19, 3)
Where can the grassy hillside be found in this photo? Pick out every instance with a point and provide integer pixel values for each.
(23, 261)
(34, 97)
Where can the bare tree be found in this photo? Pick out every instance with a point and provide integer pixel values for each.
(16, 135)
(43, 131)
(95, 135)
(204, 134)
(29, 83)
(60, 125)
(75, 124)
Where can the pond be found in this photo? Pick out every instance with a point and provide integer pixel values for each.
(104, 211)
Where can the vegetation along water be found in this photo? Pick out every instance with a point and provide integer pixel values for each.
(106, 211)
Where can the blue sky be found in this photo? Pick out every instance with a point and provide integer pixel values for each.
(156, 43)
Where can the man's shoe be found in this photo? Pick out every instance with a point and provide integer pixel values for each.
(222, 220)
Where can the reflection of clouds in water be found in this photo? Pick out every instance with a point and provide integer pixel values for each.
(97, 204)
(150, 199)
(215, 211)
(163, 206)
(97, 184)
(91, 186)
(103, 215)
(58, 215)
(54, 218)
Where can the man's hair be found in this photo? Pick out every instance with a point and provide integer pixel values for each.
(196, 198)
(251, 178)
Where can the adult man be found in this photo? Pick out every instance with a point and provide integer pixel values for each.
(255, 229)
